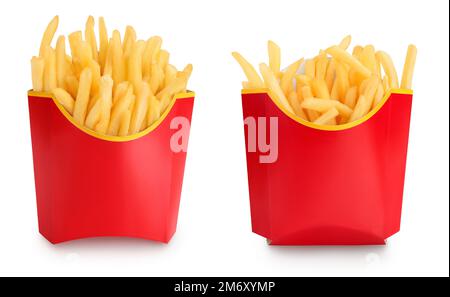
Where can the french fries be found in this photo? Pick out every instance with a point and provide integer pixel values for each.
(408, 69)
(274, 57)
(37, 73)
(82, 101)
(112, 86)
(48, 35)
(254, 81)
(333, 88)
(65, 99)
(271, 81)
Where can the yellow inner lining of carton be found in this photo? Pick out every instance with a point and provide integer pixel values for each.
(44, 95)
(329, 127)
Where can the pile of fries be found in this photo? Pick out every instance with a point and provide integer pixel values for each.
(333, 88)
(116, 87)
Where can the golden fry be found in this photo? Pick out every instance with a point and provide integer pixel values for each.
(37, 73)
(154, 110)
(82, 101)
(128, 40)
(378, 95)
(187, 71)
(288, 76)
(389, 69)
(345, 57)
(71, 83)
(252, 76)
(345, 42)
(361, 109)
(170, 74)
(117, 58)
(327, 117)
(163, 58)
(357, 51)
(104, 43)
(310, 68)
(85, 54)
(371, 88)
(274, 56)
(408, 68)
(341, 80)
(93, 116)
(64, 99)
(125, 123)
(75, 39)
(307, 94)
(322, 105)
(331, 74)
(141, 108)
(107, 67)
(157, 78)
(120, 91)
(123, 105)
(351, 96)
(135, 64)
(60, 61)
(321, 66)
(272, 83)
(48, 35)
(151, 51)
(90, 37)
(303, 79)
(295, 103)
(369, 60)
(106, 87)
(319, 88)
(96, 74)
(50, 82)
(177, 86)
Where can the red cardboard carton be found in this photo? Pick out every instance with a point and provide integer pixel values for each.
(90, 185)
(326, 185)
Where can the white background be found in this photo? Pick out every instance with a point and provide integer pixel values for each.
(214, 234)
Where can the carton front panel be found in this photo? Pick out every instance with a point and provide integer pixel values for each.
(97, 187)
(325, 187)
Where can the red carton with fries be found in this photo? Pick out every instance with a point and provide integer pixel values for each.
(326, 145)
(89, 184)
(110, 123)
(326, 184)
